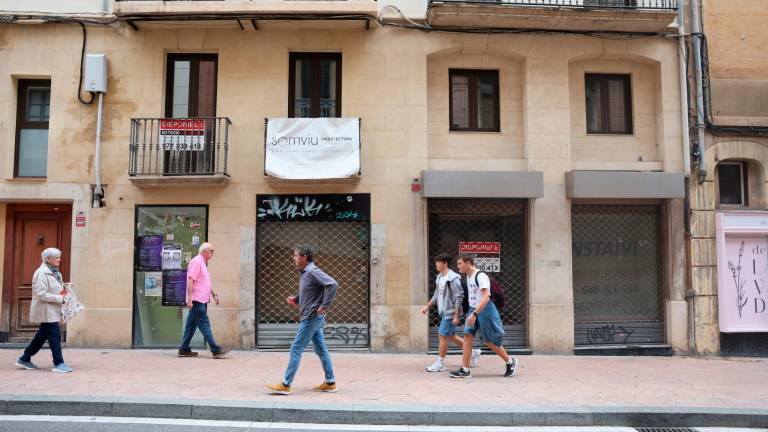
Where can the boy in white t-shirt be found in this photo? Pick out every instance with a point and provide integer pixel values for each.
(482, 318)
(448, 297)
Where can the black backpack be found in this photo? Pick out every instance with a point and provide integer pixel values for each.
(497, 292)
(465, 300)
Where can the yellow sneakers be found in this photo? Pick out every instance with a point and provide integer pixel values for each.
(279, 389)
(325, 388)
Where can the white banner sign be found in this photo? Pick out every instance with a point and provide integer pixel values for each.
(312, 148)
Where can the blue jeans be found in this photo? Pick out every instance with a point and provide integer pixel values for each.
(198, 318)
(310, 329)
(51, 333)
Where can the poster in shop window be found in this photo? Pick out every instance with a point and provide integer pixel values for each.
(487, 255)
(150, 252)
(174, 287)
(153, 284)
(172, 254)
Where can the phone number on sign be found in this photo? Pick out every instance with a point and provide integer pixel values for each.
(488, 264)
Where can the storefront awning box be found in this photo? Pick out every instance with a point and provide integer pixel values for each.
(624, 184)
(482, 184)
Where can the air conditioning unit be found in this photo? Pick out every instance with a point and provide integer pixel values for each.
(626, 4)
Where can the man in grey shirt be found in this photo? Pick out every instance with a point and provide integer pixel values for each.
(316, 293)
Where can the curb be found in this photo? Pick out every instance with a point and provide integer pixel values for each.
(382, 415)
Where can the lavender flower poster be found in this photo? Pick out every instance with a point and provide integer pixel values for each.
(174, 287)
(743, 284)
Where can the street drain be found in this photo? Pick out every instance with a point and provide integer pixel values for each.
(664, 429)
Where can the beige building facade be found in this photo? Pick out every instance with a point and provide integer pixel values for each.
(731, 177)
(564, 152)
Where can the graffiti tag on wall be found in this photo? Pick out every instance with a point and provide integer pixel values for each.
(313, 208)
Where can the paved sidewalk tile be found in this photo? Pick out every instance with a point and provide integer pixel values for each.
(400, 380)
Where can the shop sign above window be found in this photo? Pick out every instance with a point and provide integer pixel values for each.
(312, 148)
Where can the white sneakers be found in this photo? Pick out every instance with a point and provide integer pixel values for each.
(439, 366)
(475, 357)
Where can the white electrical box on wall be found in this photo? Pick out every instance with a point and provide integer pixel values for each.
(96, 73)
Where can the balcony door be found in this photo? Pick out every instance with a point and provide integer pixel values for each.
(315, 85)
(191, 94)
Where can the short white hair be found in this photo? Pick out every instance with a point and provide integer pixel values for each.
(204, 247)
(50, 253)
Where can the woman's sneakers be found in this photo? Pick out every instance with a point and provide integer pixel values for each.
(61, 368)
(511, 368)
(28, 365)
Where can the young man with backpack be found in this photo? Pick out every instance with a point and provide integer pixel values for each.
(482, 319)
(449, 297)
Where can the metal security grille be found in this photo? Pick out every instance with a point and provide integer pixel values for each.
(341, 250)
(454, 221)
(617, 274)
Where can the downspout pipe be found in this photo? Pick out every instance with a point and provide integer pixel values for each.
(700, 122)
(684, 108)
(686, 138)
(98, 191)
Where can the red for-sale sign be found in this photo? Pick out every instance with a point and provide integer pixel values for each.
(480, 247)
(182, 134)
(487, 255)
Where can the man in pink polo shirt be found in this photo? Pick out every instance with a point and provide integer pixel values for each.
(199, 293)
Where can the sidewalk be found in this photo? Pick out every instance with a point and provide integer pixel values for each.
(397, 383)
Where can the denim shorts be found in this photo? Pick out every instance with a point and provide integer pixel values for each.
(487, 324)
(446, 327)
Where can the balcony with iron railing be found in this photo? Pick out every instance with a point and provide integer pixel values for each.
(303, 107)
(166, 152)
(573, 15)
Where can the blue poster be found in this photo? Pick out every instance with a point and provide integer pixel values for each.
(174, 287)
(150, 252)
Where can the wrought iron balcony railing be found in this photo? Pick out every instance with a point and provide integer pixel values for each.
(179, 147)
(587, 4)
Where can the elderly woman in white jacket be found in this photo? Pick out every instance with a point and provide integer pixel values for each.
(48, 294)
